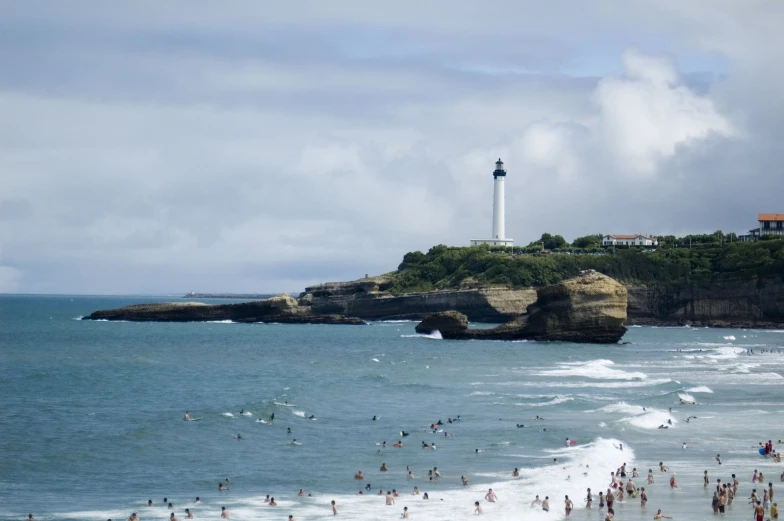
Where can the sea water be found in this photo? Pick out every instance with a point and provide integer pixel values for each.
(92, 418)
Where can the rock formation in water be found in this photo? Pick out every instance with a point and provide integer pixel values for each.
(282, 309)
(590, 308)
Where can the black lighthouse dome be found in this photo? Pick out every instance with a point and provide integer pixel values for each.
(499, 169)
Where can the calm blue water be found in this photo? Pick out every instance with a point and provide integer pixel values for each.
(92, 416)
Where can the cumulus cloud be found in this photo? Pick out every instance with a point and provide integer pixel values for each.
(647, 114)
(250, 149)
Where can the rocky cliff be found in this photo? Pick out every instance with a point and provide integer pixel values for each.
(754, 302)
(282, 308)
(590, 308)
(368, 299)
(757, 302)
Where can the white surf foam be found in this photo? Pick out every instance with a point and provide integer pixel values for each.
(651, 419)
(596, 369)
(686, 397)
(619, 407)
(247, 413)
(555, 401)
(227, 414)
(700, 389)
(435, 335)
(730, 337)
(301, 414)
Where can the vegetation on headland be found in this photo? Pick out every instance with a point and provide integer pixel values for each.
(677, 259)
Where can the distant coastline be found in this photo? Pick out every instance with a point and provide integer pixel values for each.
(238, 296)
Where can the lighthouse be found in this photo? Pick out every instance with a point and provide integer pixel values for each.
(498, 238)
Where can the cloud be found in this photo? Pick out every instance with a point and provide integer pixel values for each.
(647, 114)
(162, 149)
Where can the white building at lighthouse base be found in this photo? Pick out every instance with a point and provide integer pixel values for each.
(493, 242)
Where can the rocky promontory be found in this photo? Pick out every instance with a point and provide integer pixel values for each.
(281, 309)
(590, 308)
(370, 299)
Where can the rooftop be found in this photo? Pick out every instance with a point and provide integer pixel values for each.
(770, 217)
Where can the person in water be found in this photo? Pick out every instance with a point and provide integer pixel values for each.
(490, 496)
(359, 476)
(187, 417)
(224, 513)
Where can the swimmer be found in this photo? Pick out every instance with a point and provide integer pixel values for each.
(172, 517)
(410, 475)
(224, 513)
(643, 497)
(705, 479)
(464, 480)
(568, 506)
(188, 514)
(301, 493)
(359, 476)
(478, 451)
(288, 430)
(187, 417)
(588, 499)
(334, 508)
(536, 502)
(662, 467)
(718, 458)
(416, 491)
(490, 496)
(149, 502)
(197, 501)
(650, 476)
(515, 473)
(221, 488)
(683, 447)
(425, 496)
(398, 445)
(478, 509)
(520, 426)
(673, 482)
(404, 515)
(389, 499)
(437, 474)
(546, 504)
(383, 467)
(237, 436)
(272, 502)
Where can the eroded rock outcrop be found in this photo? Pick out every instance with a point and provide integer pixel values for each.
(590, 308)
(282, 309)
(446, 321)
(369, 299)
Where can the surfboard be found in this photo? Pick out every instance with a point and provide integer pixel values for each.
(572, 442)
(284, 404)
(195, 419)
(264, 421)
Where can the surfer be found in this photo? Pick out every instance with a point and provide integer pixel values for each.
(187, 417)
(403, 434)
(288, 430)
(293, 442)
(520, 426)
(374, 418)
(311, 417)
(478, 451)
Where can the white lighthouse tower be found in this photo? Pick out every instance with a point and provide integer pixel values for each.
(499, 231)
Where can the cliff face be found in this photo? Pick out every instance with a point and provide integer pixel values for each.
(367, 299)
(744, 303)
(590, 308)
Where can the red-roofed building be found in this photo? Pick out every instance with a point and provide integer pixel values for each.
(629, 240)
(769, 224)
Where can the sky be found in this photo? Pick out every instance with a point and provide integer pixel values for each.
(155, 147)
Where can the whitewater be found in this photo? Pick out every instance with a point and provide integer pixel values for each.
(93, 418)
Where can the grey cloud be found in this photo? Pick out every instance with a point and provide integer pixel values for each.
(163, 149)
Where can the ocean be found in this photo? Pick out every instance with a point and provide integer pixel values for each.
(92, 418)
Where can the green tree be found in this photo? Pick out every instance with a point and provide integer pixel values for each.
(587, 241)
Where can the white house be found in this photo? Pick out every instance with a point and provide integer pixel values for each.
(629, 240)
